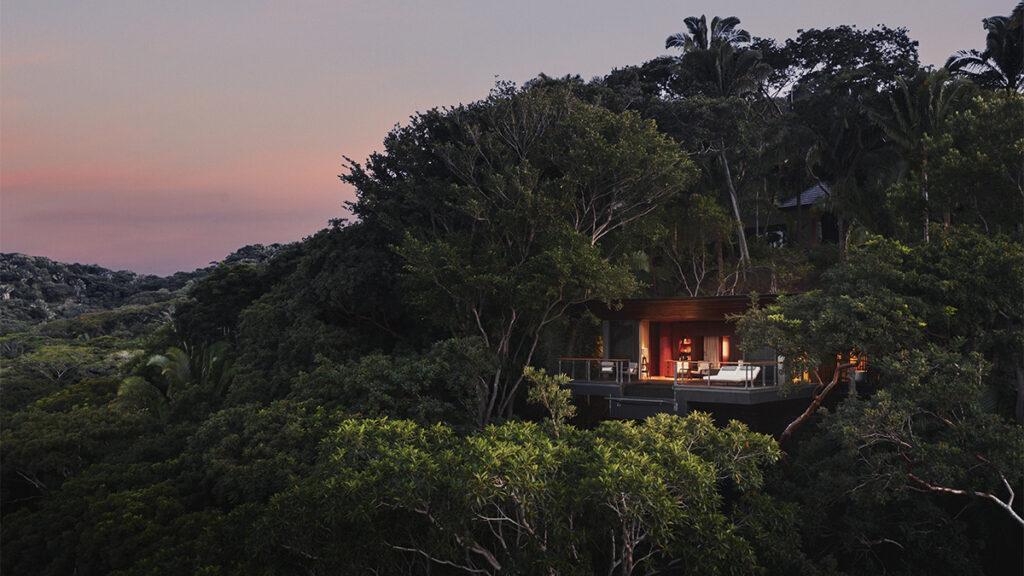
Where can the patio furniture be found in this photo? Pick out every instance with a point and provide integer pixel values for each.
(607, 368)
(735, 374)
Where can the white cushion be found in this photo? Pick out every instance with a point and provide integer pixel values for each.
(735, 374)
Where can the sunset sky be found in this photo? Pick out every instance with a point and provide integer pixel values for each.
(158, 136)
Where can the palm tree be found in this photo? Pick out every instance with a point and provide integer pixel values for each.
(918, 109)
(204, 370)
(699, 37)
(1001, 64)
(717, 57)
(206, 367)
(723, 67)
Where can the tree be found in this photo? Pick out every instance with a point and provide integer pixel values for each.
(550, 392)
(915, 123)
(848, 317)
(932, 321)
(837, 75)
(834, 60)
(889, 481)
(193, 372)
(59, 363)
(699, 37)
(338, 298)
(979, 171)
(430, 387)
(624, 498)
(931, 431)
(1001, 64)
(717, 59)
(688, 263)
(210, 314)
(525, 198)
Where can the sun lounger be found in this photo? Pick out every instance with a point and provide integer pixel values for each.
(733, 374)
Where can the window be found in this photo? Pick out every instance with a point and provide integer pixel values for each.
(622, 340)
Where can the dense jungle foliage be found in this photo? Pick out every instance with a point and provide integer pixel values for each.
(373, 398)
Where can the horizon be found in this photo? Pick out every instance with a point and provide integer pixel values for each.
(157, 139)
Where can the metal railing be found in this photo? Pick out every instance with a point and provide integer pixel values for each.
(616, 370)
(740, 374)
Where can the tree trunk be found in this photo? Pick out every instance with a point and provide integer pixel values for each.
(488, 402)
(627, 553)
(815, 403)
(720, 260)
(1019, 410)
(924, 195)
(846, 239)
(843, 236)
(741, 235)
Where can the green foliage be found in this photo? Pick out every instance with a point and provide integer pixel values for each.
(247, 454)
(440, 385)
(86, 392)
(716, 57)
(46, 366)
(888, 475)
(978, 172)
(1001, 64)
(127, 321)
(207, 368)
(211, 312)
(521, 194)
(864, 480)
(336, 298)
(620, 498)
(354, 402)
(864, 306)
(46, 448)
(550, 392)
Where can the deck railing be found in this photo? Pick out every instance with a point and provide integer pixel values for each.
(739, 374)
(617, 370)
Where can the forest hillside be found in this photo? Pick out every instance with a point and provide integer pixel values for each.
(381, 398)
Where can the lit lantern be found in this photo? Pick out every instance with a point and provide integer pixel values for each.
(725, 348)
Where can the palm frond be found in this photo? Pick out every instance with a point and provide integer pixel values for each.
(678, 40)
(725, 30)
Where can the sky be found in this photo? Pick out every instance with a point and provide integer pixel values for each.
(161, 136)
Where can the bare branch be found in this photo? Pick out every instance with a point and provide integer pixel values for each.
(1006, 506)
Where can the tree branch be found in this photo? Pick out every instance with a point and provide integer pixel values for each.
(1006, 506)
(815, 403)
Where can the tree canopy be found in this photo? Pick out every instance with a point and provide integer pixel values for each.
(378, 397)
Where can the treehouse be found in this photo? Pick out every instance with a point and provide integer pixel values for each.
(809, 219)
(677, 354)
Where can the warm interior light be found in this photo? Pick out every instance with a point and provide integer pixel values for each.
(685, 348)
(725, 348)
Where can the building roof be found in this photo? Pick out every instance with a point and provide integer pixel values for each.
(706, 308)
(808, 197)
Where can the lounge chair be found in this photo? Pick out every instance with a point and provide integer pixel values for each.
(607, 368)
(733, 374)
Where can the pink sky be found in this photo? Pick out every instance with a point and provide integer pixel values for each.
(158, 136)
